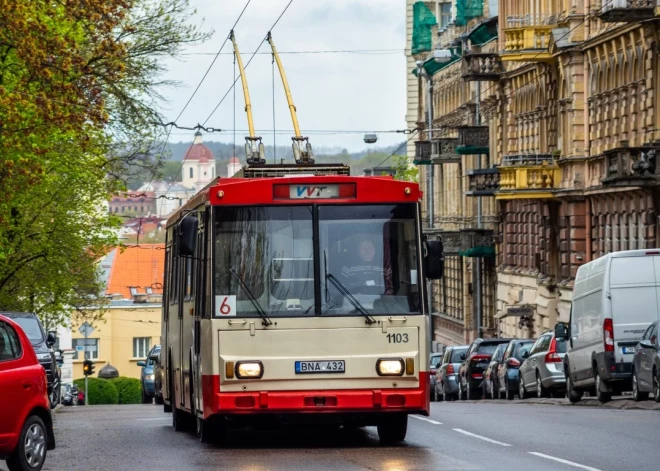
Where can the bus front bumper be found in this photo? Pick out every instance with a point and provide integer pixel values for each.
(412, 401)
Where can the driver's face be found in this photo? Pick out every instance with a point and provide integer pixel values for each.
(367, 250)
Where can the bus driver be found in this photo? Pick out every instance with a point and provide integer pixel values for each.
(368, 276)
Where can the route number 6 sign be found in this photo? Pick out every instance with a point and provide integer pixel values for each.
(225, 306)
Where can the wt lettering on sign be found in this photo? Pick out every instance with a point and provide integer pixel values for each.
(225, 306)
(310, 191)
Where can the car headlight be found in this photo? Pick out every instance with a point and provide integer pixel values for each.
(149, 377)
(249, 369)
(390, 367)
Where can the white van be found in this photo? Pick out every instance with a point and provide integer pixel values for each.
(616, 297)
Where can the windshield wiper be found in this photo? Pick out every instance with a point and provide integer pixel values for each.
(255, 303)
(356, 304)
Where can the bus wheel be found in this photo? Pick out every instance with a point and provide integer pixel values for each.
(392, 428)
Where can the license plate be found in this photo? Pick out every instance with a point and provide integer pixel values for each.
(482, 365)
(310, 367)
(628, 349)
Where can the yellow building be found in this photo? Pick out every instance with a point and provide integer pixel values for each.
(128, 324)
(121, 338)
(568, 92)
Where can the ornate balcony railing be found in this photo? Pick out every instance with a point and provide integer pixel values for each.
(481, 67)
(444, 150)
(528, 176)
(473, 140)
(422, 153)
(466, 242)
(628, 11)
(632, 166)
(527, 43)
(483, 182)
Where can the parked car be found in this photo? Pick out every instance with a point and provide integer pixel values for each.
(490, 384)
(614, 300)
(158, 381)
(147, 375)
(508, 373)
(543, 372)
(446, 384)
(68, 398)
(436, 360)
(472, 369)
(646, 365)
(26, 427)
(42, 344)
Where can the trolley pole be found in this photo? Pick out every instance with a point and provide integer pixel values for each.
(86, 376)
(477, 267)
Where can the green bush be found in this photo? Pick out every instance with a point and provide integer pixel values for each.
(100, 391)
(129, 390)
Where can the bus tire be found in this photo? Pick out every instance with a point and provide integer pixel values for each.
(392, 428)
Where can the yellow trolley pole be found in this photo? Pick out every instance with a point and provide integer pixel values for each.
(254, 148)
(300, 153)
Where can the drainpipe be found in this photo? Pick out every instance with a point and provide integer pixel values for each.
(477, 268)
(431, 195)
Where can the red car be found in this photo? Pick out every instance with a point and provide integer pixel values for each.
(26, 426)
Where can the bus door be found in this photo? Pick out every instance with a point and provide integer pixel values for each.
(199, 284)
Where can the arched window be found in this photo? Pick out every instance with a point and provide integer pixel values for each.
(191, 172)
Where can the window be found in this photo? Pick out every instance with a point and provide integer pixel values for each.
(445, 14)
(141, 346)
(456, 355)
(191, 172)
(90, 347)
(10, 345)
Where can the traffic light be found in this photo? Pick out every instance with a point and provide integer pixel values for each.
(88, 367)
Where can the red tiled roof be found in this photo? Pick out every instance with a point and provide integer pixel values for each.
(199, 152)
(142, 266)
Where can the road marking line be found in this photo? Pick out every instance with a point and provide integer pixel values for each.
(486, 439)
(559, 460)
(434, 422)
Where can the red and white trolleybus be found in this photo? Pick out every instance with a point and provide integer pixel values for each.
(298, 298)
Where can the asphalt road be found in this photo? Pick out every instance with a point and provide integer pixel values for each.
(458, 436)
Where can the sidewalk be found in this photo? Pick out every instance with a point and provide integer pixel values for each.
(619, 402)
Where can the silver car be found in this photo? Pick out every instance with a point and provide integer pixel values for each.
(542, 372)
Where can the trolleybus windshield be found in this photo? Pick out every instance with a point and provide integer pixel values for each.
(265, 258)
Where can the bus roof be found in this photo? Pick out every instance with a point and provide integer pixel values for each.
(302, 189)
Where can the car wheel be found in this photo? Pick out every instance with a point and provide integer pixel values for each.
(30, 454)
(392, 428)
(637, 394)
(158, 399)
(656, 385)
(572, 394)
(541, 391)
(522, 393)
(601, 395)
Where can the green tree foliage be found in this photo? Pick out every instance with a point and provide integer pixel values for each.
(100, 391)
(405, 169)
(79, 83)
(129, 390)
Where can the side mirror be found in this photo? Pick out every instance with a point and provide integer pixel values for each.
(434, 262)
(187, 232)
(561, 332)
(141, 363)
(525, 354)
(51, 338)
(462, 356)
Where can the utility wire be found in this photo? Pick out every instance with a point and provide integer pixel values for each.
(398, 148)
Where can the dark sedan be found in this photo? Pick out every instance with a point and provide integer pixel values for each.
(473, 367)
(490, 385)
(646, 365)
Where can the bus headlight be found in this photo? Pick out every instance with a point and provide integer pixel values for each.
(390, 367)
(249, 369)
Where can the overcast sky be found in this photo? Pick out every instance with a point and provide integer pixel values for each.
(340, 91)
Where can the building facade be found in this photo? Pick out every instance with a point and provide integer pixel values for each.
(567, 92)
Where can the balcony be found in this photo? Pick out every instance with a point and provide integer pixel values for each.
(628, 11)
(527, 38)
(481, 67)
(444, 151)
(631, 166)
(483, 182)
(473, 140)
(422, 153)
(528, 177)
(466, 242)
